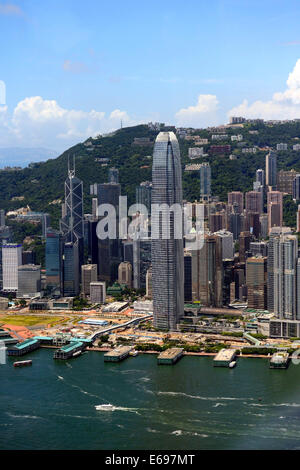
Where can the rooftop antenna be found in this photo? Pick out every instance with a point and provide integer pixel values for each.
(121, 124)
(71, 171)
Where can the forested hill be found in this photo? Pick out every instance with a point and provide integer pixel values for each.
(41, 184)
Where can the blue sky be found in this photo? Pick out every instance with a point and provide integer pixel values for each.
(75, 68)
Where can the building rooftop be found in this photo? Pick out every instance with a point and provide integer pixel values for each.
(170, 353)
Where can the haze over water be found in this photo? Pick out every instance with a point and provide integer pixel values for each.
(192, 405)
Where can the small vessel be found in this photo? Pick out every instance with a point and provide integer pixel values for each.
(105, 407)
(134, 353)
(77, 353)
(232, 364)
(22, 363)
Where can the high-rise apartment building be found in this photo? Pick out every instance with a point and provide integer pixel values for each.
(236, 197)
(275, 209)
(296, 188)
(167, 252)
(282, 276)
(254, 201)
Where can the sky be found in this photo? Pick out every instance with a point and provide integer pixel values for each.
(71, 69)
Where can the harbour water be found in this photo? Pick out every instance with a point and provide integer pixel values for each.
(191, 405)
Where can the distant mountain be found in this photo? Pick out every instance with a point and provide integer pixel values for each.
(18, 156)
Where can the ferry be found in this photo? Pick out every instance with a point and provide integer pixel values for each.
(22, 363)
(105, 407)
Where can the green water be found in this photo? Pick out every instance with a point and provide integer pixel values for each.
(191, 405)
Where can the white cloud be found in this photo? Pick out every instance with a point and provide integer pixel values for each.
(10, 9)
(283, 105)
(203, 114)
(75, 67)
(38, 122)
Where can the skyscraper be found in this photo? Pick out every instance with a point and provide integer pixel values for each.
(167, 253)
(282, 276)
(296, 188)
(238, 198)
(72, 223)
(205, 181)
(53, 258)
(143, 195)
(271, 170)
(11, 260)
(256, 280)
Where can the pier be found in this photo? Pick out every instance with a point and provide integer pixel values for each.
(170, 356)
(68, 351)
(118, 354)
(23, 348)
(279, 360)
(224, 357)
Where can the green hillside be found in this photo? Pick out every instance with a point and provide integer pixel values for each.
(42, 183)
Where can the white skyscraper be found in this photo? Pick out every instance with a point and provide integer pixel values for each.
(11, 260)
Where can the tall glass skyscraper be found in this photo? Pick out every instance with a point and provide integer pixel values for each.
(53, 258)
(72, 223)
(167, 253)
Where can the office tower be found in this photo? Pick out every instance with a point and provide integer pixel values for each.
(254, 201)
(98, 292)
(71, 269)
(109, 250)
(264, 222)
(128, 251)
(285, 181)
(53, 258)
(149, 283)
(228, 266)
(282, 276)
(244, 242)
(238, 198)
(95, 207)
(207, 272)
(217, 221)
(93, 241)
(88, 275)
(113, 175)
(125, 274)
(188, 297)
(109, 193)
(167, 254)
(298, 219)
(275, 209)
(234, 221)
(29, 281)
(296, 188)
(141, 262)
(260, 177)
(28, 257)
(253, 223)
(238, 283)
(72, 223)
(2, 218)
(259, 249)
(205, 181)
(11, 260)
(227, 244)
(271, 170)
(143, 195)
(256, 280)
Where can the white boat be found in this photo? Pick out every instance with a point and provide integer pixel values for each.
(232, 364)
(105, 407)
(77, 353)
(134, 353)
